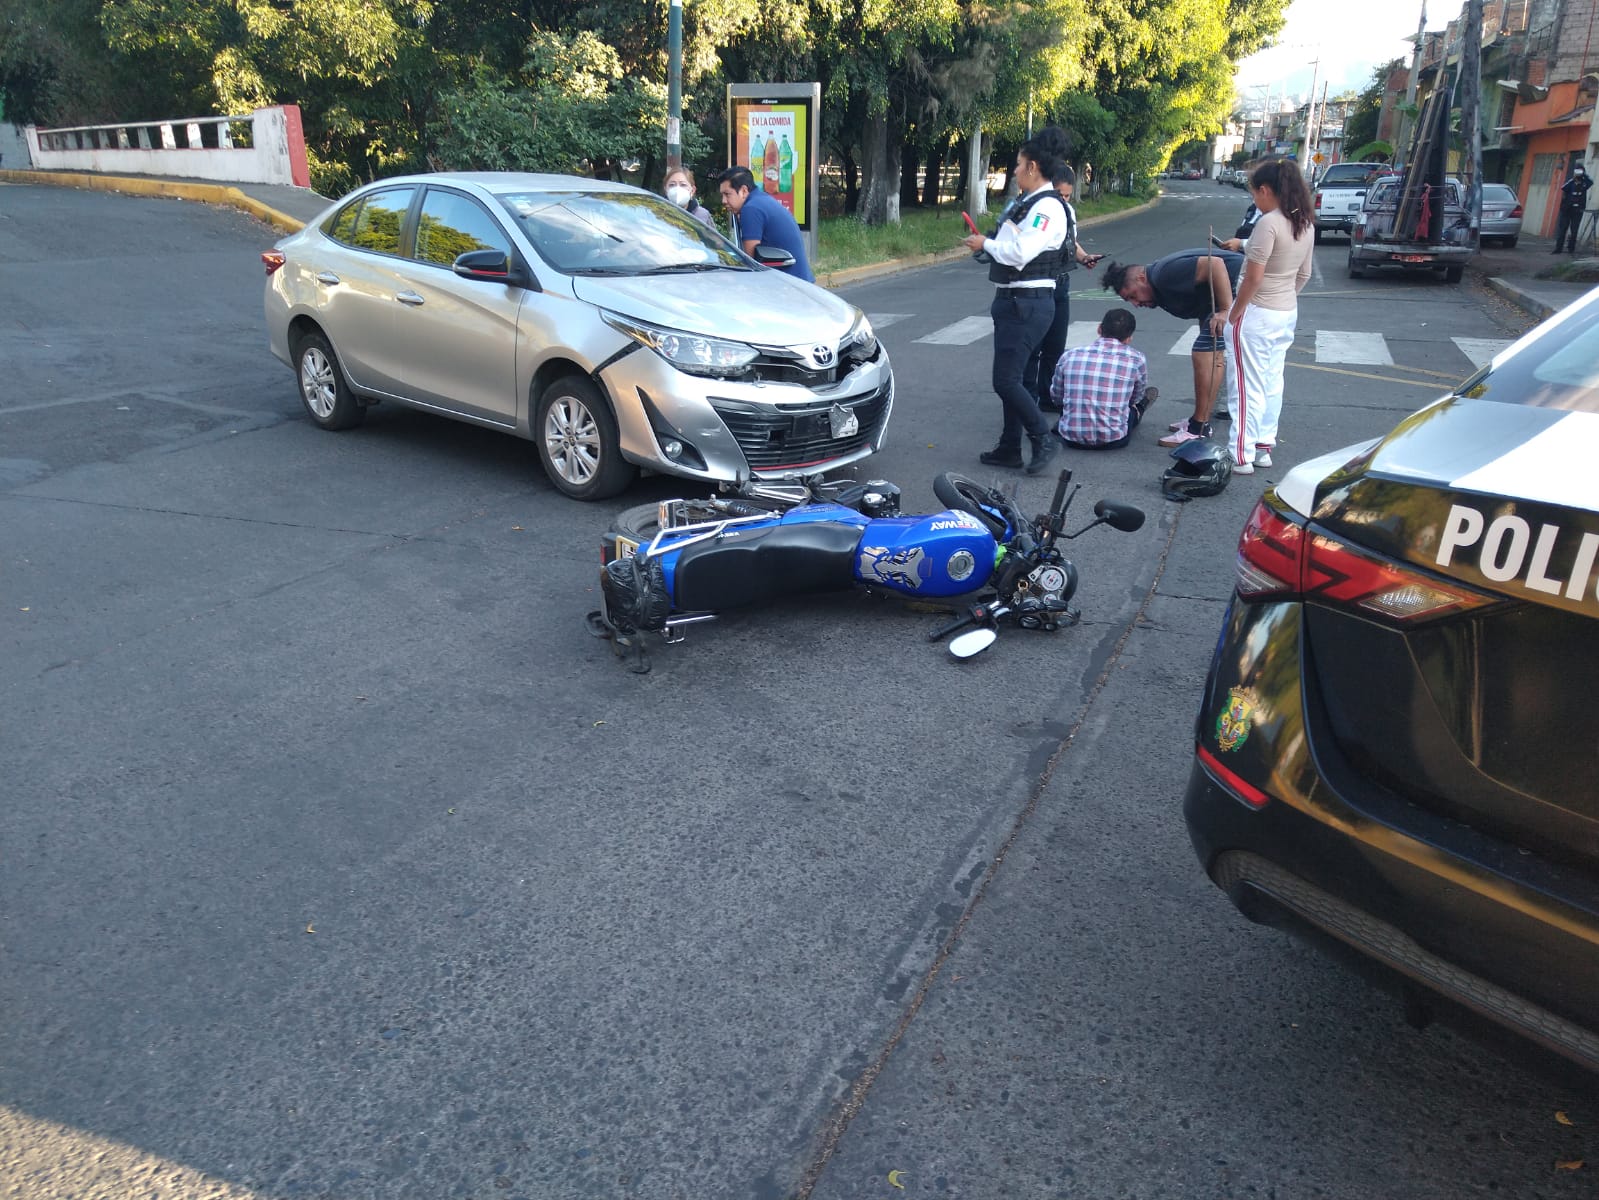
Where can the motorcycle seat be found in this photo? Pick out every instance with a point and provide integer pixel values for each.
(763, 565)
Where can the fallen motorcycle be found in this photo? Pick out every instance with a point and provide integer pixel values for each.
(674, 564)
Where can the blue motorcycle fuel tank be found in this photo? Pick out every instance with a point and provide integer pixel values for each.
(939, 554)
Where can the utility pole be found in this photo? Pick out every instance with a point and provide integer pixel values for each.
(674, 86)
(1310, 111)
(1402, 129)
(1468, 95)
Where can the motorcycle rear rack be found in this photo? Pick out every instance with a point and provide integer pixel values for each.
(694, 534)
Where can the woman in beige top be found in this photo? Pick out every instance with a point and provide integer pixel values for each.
(1260, 325)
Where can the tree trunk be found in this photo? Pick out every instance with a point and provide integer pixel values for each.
(909, 159)
(852, 184)
(932, 191)
(879, 172)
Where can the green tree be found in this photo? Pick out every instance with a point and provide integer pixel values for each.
(1361, 126)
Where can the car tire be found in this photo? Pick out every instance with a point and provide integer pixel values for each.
(1355, 270)
(1510, 243)
(578, 442)
(1453, 274)
(1318, 235)
(324, 391)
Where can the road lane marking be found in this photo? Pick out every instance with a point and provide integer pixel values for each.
(1081, 333)
(962, 333)
(1432, 387)
(1480, 350)
(1185, 344)
(1361, 349)
(884, 320)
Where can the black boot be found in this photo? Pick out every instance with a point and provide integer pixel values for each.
(1044, 450)
(1001, 456)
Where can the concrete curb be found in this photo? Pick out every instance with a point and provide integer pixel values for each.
(849, 275)
(1528, 304)
(204, 193)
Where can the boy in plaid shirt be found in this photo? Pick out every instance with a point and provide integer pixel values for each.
(1102, 388)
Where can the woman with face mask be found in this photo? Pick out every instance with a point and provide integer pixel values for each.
(680, 189)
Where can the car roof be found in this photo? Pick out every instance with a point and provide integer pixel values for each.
(503, 182)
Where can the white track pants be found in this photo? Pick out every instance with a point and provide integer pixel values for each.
(1257, 347)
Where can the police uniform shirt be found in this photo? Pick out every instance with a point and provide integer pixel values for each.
(1575, 191)
(1044, 229)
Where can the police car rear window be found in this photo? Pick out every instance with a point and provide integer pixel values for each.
(1560, 370)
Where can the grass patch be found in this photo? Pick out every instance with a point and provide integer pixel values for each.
(847, 242)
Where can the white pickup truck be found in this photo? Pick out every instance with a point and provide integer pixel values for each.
(1339, 193)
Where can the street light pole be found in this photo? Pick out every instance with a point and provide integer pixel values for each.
(674, 86)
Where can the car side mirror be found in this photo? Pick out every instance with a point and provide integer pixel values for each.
(769, 255)
(492, 266)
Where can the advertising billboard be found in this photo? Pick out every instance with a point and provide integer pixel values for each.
(772, 130)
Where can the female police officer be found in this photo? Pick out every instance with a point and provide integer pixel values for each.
(1026, 254)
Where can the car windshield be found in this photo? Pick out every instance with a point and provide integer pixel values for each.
(1498, 193)
(1345, 175)
(618, 233)
(1559, 370)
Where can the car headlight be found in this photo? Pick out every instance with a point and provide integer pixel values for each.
(862, 335)
(693, 353)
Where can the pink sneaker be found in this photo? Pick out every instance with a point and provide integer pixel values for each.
(1178, 436)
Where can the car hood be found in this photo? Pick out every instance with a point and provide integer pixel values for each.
(764, 308)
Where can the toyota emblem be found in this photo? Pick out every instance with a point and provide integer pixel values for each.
(823, 355)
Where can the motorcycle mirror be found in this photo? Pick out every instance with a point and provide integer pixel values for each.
(972, 642)
(1120, 516)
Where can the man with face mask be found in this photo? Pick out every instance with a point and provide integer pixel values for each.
(1573, 199)
(680, 191)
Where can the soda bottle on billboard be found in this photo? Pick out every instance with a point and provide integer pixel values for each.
(757, 155)
(785, 167)
(770, 174)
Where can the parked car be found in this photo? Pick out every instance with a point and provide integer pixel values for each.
(1448, 247)
(1501, 213)
(1394, 751)
(1339, 193)
(595, 319)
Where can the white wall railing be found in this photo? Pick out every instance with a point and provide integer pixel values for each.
(266, 146)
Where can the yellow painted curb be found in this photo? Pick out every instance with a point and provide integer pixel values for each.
(204, 193)
(849, 275)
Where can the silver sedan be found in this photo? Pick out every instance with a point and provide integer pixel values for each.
(1501, 213)
(592, 318)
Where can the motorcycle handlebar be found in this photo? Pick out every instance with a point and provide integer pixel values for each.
(938, 634)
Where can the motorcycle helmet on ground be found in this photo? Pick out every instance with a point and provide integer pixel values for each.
(1203, 468)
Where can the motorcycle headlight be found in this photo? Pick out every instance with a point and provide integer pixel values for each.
(693, 353)
(862, 335)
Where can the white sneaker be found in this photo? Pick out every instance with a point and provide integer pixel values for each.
(1263, 458)
(1243, 468)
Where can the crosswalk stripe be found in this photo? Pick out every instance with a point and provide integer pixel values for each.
(962, 333)
(1185, 344)
(1480, 350)
(884, 320)
(1081, 333)
(1341, 346)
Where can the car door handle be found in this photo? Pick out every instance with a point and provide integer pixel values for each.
(327, 277)
(410, 298)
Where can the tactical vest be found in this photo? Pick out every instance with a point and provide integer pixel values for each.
(1047, 265)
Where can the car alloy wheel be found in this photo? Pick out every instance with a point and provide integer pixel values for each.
(578, 441)
(572, 440)
(317, 381)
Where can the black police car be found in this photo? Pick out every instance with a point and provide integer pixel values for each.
(1398, 749)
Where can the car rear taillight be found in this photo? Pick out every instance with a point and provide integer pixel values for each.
(1279, 557)
(273, 260)
(1318, 200)
(1516, 212)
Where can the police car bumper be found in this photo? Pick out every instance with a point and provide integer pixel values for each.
(1459, 922)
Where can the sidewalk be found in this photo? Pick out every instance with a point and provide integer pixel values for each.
(1512, 271)
(287, 208)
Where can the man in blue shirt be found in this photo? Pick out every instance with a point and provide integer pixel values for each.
(761, 218)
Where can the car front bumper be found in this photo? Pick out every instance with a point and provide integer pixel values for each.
(734, 429)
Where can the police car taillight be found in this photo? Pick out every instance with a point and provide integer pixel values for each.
(1269, 554)
(1279, 557)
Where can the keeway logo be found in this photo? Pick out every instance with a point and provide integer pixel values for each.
(957, 523)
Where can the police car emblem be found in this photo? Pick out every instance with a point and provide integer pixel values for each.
(1236, 719)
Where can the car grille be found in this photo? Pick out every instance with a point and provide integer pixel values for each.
(781, 366)
(784, 436)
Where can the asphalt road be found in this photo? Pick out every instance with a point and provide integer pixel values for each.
(338, 861)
